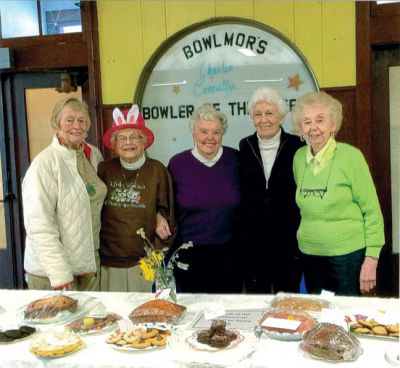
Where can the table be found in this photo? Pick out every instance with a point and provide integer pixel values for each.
(268, 353)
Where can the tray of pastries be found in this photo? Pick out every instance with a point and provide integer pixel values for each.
(303, 303)
(376, 325)
(93, 324)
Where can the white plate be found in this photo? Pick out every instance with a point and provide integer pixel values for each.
(284, 336)
(136, 350)
(194, 344)
(392, 355)
(85, 304)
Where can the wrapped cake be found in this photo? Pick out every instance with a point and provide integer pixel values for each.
(50, 307)
(331, 342)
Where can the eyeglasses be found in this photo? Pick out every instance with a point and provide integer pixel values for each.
(124, 139)
(306, 192)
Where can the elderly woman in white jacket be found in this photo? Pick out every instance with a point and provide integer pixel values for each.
(62, 201)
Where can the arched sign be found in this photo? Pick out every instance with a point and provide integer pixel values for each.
(220, 61)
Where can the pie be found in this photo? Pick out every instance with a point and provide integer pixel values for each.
(56, 344)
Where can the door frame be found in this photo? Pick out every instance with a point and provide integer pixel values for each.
(16, 160)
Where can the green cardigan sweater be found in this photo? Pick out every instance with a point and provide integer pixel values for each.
(348, 217)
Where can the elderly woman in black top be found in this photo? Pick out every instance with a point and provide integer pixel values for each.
(269, 214)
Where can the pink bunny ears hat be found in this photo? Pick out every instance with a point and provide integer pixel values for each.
(128, 120)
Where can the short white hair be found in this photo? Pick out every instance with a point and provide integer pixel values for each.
(269, 95)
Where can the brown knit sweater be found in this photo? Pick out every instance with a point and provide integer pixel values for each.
(133, 199)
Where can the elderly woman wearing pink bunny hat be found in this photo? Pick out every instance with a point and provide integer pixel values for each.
(139, 192)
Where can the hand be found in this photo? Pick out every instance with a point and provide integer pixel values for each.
(68, 286)
(368, 275)
(162, 227)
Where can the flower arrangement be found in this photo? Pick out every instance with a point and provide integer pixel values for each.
(154, 268)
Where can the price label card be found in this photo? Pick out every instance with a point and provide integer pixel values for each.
(239, 319)
(163, 294)
(214, 311)
(286, 324)
(327, 295)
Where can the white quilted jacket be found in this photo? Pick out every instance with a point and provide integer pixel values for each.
(58, 224)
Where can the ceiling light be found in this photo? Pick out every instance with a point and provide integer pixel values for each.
(247, 52)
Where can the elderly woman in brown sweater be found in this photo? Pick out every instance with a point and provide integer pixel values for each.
(139, 191)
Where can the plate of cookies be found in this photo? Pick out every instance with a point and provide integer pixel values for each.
(16, 332)
(376, 325)
(141, 337)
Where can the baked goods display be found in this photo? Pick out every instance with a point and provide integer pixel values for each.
(364, 326)
(216, 337)
(298, 303)
(140, 338)
(16, 333)
(331, 342)
(54, 344)
(157, 310)
(50, 307)
(90, 324)
(286, 325)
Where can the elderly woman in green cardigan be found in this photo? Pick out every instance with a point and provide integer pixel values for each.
(341, 230)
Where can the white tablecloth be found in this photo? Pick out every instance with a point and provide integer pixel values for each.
(257, 353)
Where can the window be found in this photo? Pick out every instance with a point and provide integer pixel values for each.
(36, 18)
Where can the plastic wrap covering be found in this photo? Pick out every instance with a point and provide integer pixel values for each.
(50, 307)
(331, 342)
(92, 324)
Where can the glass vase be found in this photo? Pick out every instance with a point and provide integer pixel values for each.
(165, 284)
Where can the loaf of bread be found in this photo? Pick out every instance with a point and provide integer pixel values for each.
(50, 307)
(331, 342)
(157, 310)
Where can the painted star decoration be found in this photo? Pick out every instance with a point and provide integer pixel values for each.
(294, 82)
(176, 89)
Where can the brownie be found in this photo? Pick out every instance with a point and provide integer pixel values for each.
(217, 327)
(219, 341)
(231, 335)
(203, 337)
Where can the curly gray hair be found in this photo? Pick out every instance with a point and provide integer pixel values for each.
(322, 98)
(208, 112)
